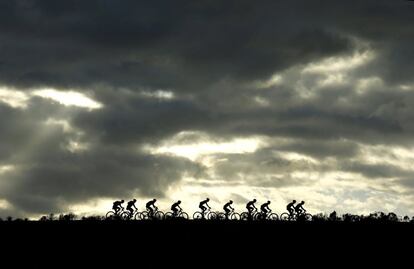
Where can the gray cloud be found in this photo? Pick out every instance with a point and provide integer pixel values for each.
(47, 176)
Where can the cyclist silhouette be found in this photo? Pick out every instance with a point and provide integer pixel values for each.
(151, 207)
(264, 208)
(228, 209)
(176, 208)
(204, 206)
(117, 206)
(251, 207)
(131, 206)
(299, 208)
(291, 207)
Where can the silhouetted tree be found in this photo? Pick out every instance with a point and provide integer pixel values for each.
(333, 216)
(67, 217)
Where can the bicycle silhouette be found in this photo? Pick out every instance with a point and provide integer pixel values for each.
(147, 215)
(180, 215)
(249, 216)
(208, 214)
(303, 216)
(127, 215)
(111, 214)
(266, 216)
(231, 216)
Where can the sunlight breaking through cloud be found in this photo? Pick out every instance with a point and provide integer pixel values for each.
(68, 98)
(16, 99)
(204, 146)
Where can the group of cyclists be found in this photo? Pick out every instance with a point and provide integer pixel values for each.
(292, 208)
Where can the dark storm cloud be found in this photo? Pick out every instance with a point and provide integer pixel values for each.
(320, 150)
(159, 43)
(189, 44)
(265, 168)
(376, 170)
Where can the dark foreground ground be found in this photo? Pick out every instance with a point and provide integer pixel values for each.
(207, 245)
(239, 242)
(193, 232)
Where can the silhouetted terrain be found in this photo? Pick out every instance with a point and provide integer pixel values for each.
(340, 237)
(376, 217)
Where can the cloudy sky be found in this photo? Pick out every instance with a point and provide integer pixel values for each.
(237, 99)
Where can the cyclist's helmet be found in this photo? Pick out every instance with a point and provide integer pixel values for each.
(303, 202)
(294, 201)
(135, 200)
(268, 202)
(122, 201)
(208, 199)
(231, 201)
(179, 201)
(254, 200)
(154, 200)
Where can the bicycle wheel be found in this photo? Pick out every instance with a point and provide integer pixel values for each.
(110, 214)
(144, 215)
(159, 215)
(285, 217)
(137, 216)
(244, 216)
(125, 215)
(273, 217)
(222, 216)
(212, 216)
(198, 215)
(184, 215)
(235, 216)
(169, 215)
(259, 216)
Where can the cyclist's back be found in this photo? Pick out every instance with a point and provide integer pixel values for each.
(250, 206)
(265, 207)
(291, 207)
(176, 207)
(299, 208)
(131, 204)
(151, 206)
(228, 209)
(203, 203)
(117, 205)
